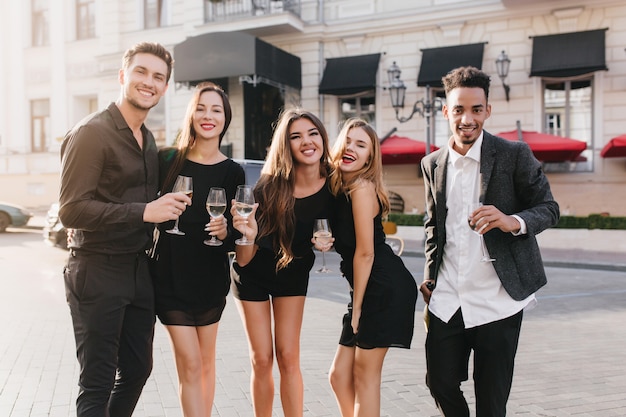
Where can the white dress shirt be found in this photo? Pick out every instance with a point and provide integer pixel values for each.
(464, 280)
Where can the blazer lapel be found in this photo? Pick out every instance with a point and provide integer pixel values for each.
(487, 160)
(441, 170)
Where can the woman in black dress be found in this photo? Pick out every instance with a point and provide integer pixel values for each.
(384, 293)
(192, 279)
(273, 273)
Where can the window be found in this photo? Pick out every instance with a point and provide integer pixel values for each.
(85, 19)
(41, 27)
(40, 125)
(568, 112)
(363, 107)
(553, 123)
(155, 13)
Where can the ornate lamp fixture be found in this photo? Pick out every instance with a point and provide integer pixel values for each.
(425, 107)
(502, 66)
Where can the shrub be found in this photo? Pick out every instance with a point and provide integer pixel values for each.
(593, 221)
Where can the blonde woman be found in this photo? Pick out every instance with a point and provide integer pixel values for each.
(273, 273)
(383, 291)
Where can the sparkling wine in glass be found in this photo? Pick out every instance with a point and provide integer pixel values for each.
(182, 185)
(216, 206)
(323, 235)
(471, 208)
(244, 203)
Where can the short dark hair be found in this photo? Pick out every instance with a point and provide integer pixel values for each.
(153, 48)
(466, 77)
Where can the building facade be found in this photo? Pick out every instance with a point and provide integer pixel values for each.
(567, 76)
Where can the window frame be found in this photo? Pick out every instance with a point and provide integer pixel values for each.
(85, 29)
(358, 109)
(566, 116)
(40, 30)
(156, 20)
(39, 123)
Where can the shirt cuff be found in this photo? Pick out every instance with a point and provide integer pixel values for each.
(522, 228)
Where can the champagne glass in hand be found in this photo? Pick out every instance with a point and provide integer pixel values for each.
(322, 234)
(182, 185)
(216, 206)
(471, 208)
(244, 203)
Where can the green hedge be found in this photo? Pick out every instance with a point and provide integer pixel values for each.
(593, 221)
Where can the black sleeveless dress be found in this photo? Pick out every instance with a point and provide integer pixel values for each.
(258, 280)
(191, 279)
(388, 311)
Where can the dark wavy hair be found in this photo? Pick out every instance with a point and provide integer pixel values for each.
(466, 77)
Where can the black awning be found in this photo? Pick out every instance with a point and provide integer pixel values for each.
(349, 75)
(231, 54)
(437, 62)
(568, 54)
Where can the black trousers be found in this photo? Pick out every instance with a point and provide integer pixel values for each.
(111, 301)
(448, 348)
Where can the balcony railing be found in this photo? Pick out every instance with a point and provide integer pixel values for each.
(220, 10)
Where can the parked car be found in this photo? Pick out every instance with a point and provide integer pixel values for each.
(13, 215)
(54, 233)
(252, 168)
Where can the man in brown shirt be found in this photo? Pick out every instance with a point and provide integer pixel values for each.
(109, 184)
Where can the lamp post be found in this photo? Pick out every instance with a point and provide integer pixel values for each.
(502, 66)
(425, 107)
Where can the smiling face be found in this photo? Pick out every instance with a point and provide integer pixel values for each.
(144, 81)
(209, 117)
(357, 152)
(466, 109)
(305, 142)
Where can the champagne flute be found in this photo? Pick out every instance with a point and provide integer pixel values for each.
(182, 185)
(470, 209)
(216, 206)
(244, 203)
(322, 234)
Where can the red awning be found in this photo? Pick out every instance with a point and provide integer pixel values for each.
(402, 150)
(549, 148)
(616, 148)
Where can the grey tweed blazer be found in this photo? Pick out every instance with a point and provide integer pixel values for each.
(514, 182)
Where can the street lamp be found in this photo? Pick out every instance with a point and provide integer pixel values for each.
(424, 107)
(502, 66)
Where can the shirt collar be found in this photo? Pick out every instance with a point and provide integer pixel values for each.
(473, 153)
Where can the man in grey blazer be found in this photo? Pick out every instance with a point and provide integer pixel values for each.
(476, 304)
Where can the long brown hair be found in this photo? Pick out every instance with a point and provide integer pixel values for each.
(187, 135)
(274, 190)
(372, 171)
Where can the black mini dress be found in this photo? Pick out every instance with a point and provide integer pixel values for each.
(388, 310)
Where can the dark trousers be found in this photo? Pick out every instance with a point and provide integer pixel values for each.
(111, 301)
(448, 348)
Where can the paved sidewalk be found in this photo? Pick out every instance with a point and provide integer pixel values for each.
(571, 360)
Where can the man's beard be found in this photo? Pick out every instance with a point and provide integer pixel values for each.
(138, 105)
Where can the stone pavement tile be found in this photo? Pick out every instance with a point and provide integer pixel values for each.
(61, 411)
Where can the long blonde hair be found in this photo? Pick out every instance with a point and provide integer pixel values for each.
(274, 190)
(372, 171)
